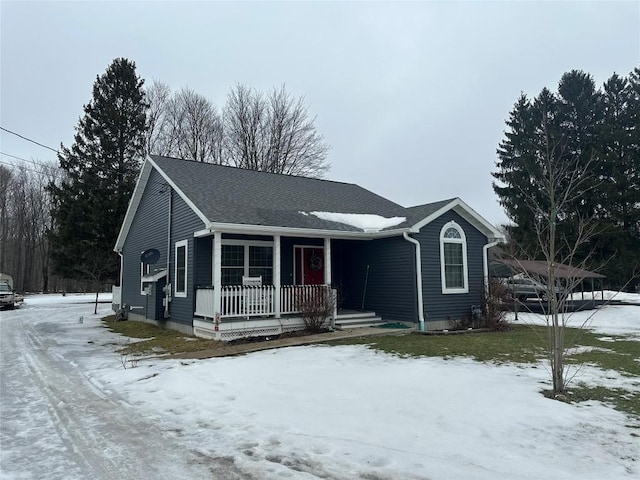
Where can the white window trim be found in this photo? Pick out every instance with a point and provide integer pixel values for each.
(246, 244)
(463, 242)
(145, 268)
(185, 244)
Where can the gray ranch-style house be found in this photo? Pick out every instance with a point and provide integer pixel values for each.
(223, 252)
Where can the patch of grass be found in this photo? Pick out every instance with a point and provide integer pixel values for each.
(618, 398)
(157, 340)
(518, 344)
(622, 355)
(620, 362)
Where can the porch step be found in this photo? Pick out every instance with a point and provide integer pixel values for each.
(357, 320)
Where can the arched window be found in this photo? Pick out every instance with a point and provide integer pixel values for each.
(453, 259)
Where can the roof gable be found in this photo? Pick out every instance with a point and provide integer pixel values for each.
(435, 210)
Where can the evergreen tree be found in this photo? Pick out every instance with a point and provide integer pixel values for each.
(580, 116)
(521, 164)
(101, 169)
(620, 174)
(591, 130)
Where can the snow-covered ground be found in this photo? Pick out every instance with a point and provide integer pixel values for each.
(609, 295)
(70, 410)
(610, 319)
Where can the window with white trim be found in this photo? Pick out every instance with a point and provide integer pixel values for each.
(180, 270)
(145, 268)
(253, 259)
(453, 259)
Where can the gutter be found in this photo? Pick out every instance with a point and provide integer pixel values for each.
(418, 279)
(295, 231)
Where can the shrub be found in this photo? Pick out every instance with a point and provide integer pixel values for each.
(316, 305)
(494, 306)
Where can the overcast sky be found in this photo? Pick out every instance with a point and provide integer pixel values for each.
(412, 97)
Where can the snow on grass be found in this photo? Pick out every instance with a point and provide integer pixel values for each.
(69, 298)
(610, 319)
(351, 412)
(608, 295)
(583, 349)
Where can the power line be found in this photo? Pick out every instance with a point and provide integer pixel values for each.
(55, 173)
(28, 139)
(17, 158)
(33, 162)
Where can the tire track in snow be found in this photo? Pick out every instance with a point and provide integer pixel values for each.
(69, 428)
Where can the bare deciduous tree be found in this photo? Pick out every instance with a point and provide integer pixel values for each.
(25, 219)
(158, 96)
(272, 133)
(561, 180)
(196, 127)
(184, 124)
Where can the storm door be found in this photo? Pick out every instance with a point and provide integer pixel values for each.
(309, 265)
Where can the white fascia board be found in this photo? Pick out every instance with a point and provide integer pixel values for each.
(184, 197)
(134, 202)
(466, 212)
(156, 276)
(294, 232)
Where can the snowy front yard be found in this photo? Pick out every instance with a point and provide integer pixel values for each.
(346, 412)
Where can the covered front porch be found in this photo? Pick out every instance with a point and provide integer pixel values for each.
(254, 285)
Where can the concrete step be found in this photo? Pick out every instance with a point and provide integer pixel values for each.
(349, 314)
(370, 320)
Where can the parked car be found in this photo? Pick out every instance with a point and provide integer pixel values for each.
(523, 288)
(7, 295)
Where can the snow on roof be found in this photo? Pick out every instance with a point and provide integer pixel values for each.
(367, 222)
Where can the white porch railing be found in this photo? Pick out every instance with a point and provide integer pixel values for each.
(246, 301)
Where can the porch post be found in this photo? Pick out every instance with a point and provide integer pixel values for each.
(217, 272)
(276, 274)
(327, 261)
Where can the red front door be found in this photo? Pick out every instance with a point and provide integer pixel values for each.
(309, 265)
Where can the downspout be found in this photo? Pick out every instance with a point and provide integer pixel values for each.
(121, 276)
(121, 266)
(418, 279)
(168, 287)
(485, 265)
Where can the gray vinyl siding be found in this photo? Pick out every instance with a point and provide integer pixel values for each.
(203, 268)
(184, 222)
(148, 230)
(376, 275)
(444, 307)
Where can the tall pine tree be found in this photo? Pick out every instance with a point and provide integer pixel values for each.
(620, 174)
(591, 130)
(101, 168)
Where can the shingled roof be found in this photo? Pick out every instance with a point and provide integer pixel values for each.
(260, 198)
(222, 195)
